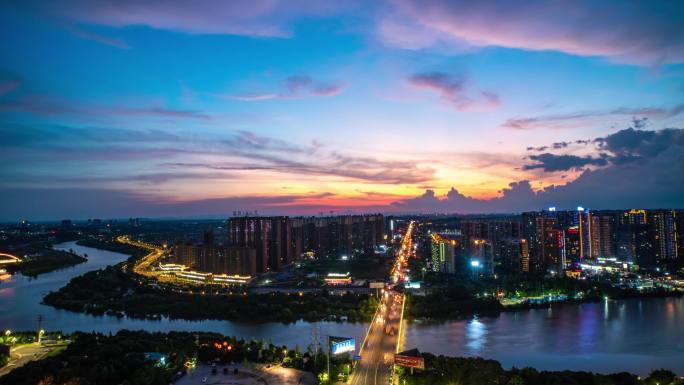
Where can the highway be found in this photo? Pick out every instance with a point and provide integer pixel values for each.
(383, 338)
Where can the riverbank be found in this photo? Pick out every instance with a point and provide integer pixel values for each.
(603, 337)
(44, 260)
(459, 302)
(444, 370)
(140, 357)
(112, 291)
(134, 252)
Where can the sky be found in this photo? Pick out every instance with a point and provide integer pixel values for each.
(200, 109)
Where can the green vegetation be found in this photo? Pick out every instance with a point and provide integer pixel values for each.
(24, 337)
(100, 359)
(441, 370)
(44, 260)
(358, 267)
(4, 355)
(113, 291)
(449, 296)
(451, 303)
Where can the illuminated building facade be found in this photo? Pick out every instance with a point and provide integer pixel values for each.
(215, 259)
(444, 253)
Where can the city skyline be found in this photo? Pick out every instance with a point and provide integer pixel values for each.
(146, 110)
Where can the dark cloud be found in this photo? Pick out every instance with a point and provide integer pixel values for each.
(631, 144)
(551, 162)
(653, 182)
(452, 89)
(516, 197)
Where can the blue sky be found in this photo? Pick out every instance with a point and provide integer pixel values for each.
(180, 109)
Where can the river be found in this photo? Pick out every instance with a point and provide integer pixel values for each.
(631, 335)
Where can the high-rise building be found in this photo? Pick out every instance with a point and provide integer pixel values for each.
(602, 235)
(524, 256)
(216, 259)
(279, 241)
(482, 253)
(444, 251)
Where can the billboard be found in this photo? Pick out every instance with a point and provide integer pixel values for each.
(377, 285)
(342, 345)
(410, 359)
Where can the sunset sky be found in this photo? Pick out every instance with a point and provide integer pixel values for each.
(180, 109)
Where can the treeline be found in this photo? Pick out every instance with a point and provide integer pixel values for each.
(45, 260)
(98, 359)
(112, 291)
(454, 302)
(442, 370)
(450, 297)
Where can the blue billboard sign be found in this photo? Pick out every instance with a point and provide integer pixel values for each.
(343, 346)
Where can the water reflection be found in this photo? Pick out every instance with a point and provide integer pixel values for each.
(636, 335)
(641, 335)
(20, 306)
(476, 336)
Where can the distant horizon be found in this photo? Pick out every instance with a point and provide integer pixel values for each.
(181, 108)
(218, 217)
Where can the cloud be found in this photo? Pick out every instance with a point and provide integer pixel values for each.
(89, 35)
(259, 153)
(551, 162)
(7, 86)
(631, 144)
(54, 107)
(296, 87)
(627, 32)
(20, 135)
(82, 203)
(451, 88)
(618, 181)
(587, 118)
(239, 151)
(516, 197)
(260, 18)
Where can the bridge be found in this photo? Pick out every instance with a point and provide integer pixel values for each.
(6, 259)
(384, 336)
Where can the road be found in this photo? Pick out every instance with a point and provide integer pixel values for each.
(144, 266)
(377, 351)
(22, 354)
